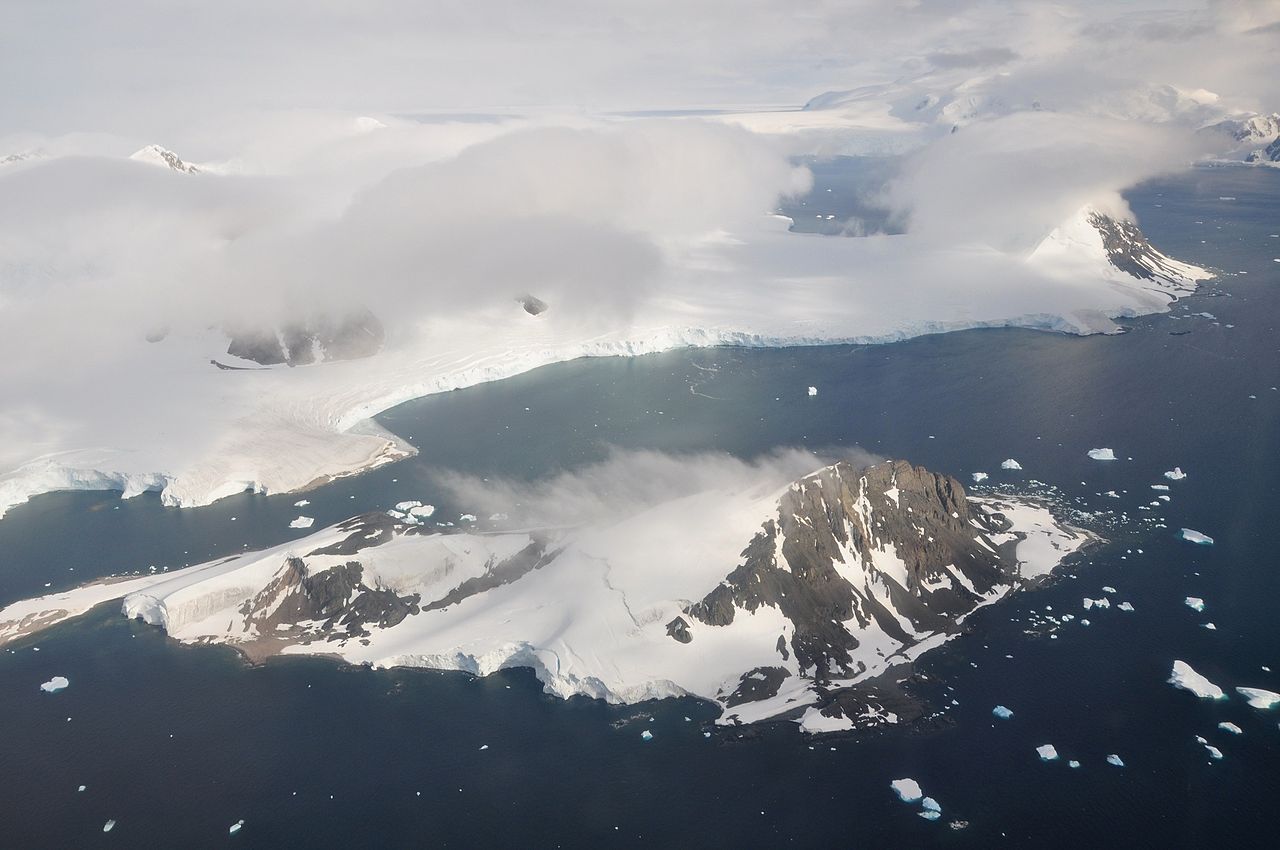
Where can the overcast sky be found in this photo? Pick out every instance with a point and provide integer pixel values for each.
(161, 66)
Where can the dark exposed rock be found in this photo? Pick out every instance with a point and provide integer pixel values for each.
(335, 597)
(679, 630)
(755, 685)
(532, 305)
(817, 562)
(300, 344)
(1271, 153)
(1128, 249)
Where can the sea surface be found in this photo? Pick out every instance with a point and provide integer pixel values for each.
(177, 743)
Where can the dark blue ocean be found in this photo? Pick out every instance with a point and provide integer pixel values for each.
(177, 743)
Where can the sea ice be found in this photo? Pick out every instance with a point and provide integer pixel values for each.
(301, 503)
(1002, 712)
(1259, 698)
(646, 735)
(1159, 486)
(1073, 764)
(1192, 536)
(1047, 752)
(1102, 454)
(467, 518)
(929, 814)
(1010, 464)
(1188, 679)
(108, 826)
(979, 477)
(930, 805)
(1125, 606)
(236, 827)
(1210, 626)
(1227, 726)
(813, 391)
(55, 684)
(1195, 603)
(303, 522)
(1175, 474)
(1115, 760)
(908, 790)
(1214, 752)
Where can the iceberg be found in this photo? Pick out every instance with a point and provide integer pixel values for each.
(1047, 752)
(813, 391)
(1125, 606)
(1010, 464)
(1102, 454)
(908, 790)
(1187, 679)
(1192, 536)
(55, 684)
(1214, 752)
(302, 522)
(1175, 474)
(930, 805)
(929, 814)
(236, 827)
(1073, 764)
(1258, 698)
(979, 477)
(1115, 760)
(1002, 712)
(302, 503)
(108, 826)
(1195, 603)
(646, 735)
(1227, 726)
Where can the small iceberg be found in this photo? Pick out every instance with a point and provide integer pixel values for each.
(1104, 602)
(646, 735)
(908, 790)
(1102, 454)
(1195, 603)
(813, 391)
(236, 827)
(930, 805)
(1187, 679)
(1214, 752)
(301, 503)
(1258, 698)
(1002, 712)
(1010, 464)
(1047, 752)
(1160, 487)
(1115, 760)
(979, 477)
(1175, 474)
(55, 684)
(929, 814)
(412, 511)
(1227, 726)
(108, 826)
(1125, 606)
(1073, 764)
(1192, 536)
(303, 522)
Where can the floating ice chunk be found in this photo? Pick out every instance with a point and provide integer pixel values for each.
(1187, 679)
(1010, 464)
(108, 826)
(929, 814)
(236, 827)
(1104, 602)
(813, 391)
(1159, 486)
(1259, 698)
(301, 503)
(908, 790)
(930, 805)
(1102, 454)
(1115, 760)
(484, 746)
(1073, 764)
(1175, 474)
(1195, 603)
(1108, 589)
(1192, 536)
(979, 477)
(303, 522)
(82, 787)
(55, 684)
(646, 735)
(1002, 712)
(1047, 752)
(1210, 626)
(1125, 606)
(467, 518)
(1227, 726)
(1214, 752)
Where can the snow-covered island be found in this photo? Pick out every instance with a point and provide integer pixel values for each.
(789, 603)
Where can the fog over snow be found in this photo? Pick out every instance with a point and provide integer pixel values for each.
(621, 162)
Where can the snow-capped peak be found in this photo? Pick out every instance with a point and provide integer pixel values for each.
(165, 158)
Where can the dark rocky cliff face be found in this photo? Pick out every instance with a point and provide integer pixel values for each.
(303, 343)
(1129, 250)
(893, 547)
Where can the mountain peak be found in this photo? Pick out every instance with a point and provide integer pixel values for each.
(165, 158)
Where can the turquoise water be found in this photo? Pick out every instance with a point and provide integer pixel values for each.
(572, 773)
